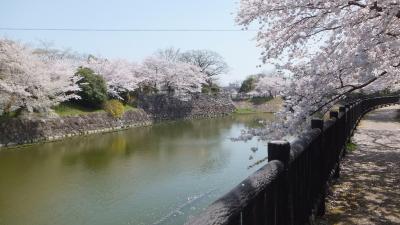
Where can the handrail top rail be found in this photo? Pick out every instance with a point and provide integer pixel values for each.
(239, 197)
(302, 142)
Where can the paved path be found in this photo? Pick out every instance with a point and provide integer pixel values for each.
(368, 191)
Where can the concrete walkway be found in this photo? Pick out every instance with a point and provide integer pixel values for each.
(368, 191)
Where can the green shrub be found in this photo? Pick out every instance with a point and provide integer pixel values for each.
(93, 88)
(114, 108)
(248, 85)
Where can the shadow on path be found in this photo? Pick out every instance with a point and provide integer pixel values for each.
(368, 191)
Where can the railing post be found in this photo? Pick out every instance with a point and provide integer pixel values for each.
(317, 124)
(280, 150)
(342, 109)
(335, 114)
(348, 122)
(321, 207)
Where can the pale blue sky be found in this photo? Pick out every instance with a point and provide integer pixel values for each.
(238, 48)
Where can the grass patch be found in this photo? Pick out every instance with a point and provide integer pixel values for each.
(9, 116)
(71, 109)
(245, 111)
(351, 147)
(130, 108)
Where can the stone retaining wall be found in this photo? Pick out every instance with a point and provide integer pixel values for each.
(24, 131)
(154, 108)
(163, 107)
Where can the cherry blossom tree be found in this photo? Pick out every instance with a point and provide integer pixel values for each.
(210, 62)
(271, 84)
(332, 48)
(121, 76)
(157, 71)
(170, 76)
(47, 51)
(35, 79)
(33, 82)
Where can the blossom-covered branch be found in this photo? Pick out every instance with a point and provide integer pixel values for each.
(332, 48)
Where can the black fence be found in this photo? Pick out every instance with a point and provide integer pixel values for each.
(292, 186)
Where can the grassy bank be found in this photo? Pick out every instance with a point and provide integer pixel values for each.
(70, 109)
(258, 105)
(7, 117)
(245, 111)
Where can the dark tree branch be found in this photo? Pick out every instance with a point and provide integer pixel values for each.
(356, 3)
(347, 92)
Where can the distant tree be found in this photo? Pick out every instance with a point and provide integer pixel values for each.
(93, 88)
(248, 84)
(235, 85)
(169, 54)
(160, 72)
(272, 85)
(173, 76)
(209, 62)
(47, 51)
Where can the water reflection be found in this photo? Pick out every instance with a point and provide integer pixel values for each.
(135, 176)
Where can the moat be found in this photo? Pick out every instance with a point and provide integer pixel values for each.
(160, 174)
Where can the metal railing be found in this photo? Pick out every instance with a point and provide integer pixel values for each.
(292, 185)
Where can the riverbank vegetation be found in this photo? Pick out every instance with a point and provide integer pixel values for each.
(245, 111)
(45, 80)
(258, 104)
(259, 93)
(73, 109)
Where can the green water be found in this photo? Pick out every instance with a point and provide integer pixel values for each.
(151, 175)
